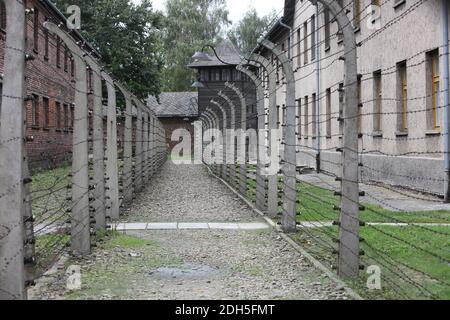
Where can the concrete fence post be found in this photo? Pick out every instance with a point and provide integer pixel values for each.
(260, 166)
(80, 220)
(145, 173)
(127, 147)
(348, 261)
(273, 136)
(241, 145)
(151, 145)
(138, 164)
(98, 205)
(215, 124)
(12, 189)
(229, 137)
(290, 150)
(224, 142)
(238, 129)
(112, 168)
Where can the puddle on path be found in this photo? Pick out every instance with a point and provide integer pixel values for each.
(186, 271)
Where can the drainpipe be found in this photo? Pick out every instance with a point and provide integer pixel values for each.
(445, 57)
(289, 38)
(318, 89)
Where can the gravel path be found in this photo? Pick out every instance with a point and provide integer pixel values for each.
(187, 193)
(194, 264)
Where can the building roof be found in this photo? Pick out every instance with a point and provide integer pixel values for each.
(174, 104)
(226, 51)
(49, 5)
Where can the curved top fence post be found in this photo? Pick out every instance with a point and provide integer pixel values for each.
(111, 148)
(348, 262)
(12, 190)
(80, 220)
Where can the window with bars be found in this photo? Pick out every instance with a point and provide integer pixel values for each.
(36, 30)
(305, 42)
(340, 36)
(313, 37)
(58, 52)
(356, 14)
(326, 28)
(46, 109)
(72, 117)
(402, 97)
(433, 89)
(46, 39)
(66, 59)
(314, 115)
(377, 101)
(58, 115)
(35, 111)
(66, 116)
(306, 117)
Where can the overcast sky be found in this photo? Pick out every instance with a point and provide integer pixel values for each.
(237, 8)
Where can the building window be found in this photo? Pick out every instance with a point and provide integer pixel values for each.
(433, 89)
(314, 115)
(341, 107)
(340, 36)
(328, 111)
(306, 117)
(72, 117)
(2, 16)
(36, 30)
(326, 26)
(66, 58)
(46, 44)
(402, 94)
(377, 101)
(45, 105)
(313, 37)
(356, 14)
(35, 111)
(226, 75)
(58, 52)
(305, 42)
(277, 66)
(58, 115)
(299, 118)
(72, 66)
(66, 116)
(299, 48)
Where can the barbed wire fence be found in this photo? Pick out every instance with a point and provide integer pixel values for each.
(88, 159)
(393, 222)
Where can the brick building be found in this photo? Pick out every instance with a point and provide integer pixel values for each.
(50, 85)
(175, 110)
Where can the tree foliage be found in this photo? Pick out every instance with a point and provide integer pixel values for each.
(246, 33)
(128, 38)
(189, 24)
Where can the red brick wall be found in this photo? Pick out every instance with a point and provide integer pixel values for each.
(44, 78)
(172, 124)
